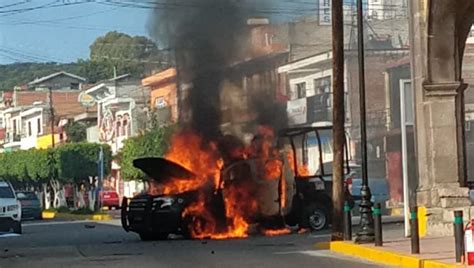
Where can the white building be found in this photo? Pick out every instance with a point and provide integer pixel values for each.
(122, 110)
(32, 120)
(386, 9)
(12, 122)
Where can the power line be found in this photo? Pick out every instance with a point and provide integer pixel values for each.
(15, 4)
(62, 19)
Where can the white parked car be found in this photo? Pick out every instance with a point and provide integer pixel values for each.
(10, 209)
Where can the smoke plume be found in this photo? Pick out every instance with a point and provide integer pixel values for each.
(207, 36)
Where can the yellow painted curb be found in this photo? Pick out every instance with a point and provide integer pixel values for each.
(422, 221)
(101, 217)
(78, 217)
(381, 256)
(47, 215)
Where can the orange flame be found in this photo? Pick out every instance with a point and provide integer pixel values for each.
(271, 232)
(206, 162)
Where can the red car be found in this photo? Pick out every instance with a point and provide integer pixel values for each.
(110, 199)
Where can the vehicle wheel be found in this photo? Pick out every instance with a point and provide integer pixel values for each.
(17, 228)
(190, 226)
(316, 216)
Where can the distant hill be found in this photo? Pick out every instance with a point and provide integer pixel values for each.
(15, 74)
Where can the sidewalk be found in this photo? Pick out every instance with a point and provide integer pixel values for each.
(435, 252)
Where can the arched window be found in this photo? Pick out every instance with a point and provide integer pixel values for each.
(125, 127)
(127, 124)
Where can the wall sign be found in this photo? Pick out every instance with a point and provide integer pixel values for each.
(325, 12)
(296, 110)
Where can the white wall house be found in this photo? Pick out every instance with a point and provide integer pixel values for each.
(12, 121)
(120, 115)
(31, 127)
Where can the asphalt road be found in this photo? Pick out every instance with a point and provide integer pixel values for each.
(90, 244)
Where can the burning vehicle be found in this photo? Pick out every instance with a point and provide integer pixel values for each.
(200, 192)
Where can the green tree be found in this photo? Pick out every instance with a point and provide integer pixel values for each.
(151, 143)
(16, 74)
(76, 132)
(135, 55)
(78, 161)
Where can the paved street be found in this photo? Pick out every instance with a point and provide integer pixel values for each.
(89, 244)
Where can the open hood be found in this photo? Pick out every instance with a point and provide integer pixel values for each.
(160, 169)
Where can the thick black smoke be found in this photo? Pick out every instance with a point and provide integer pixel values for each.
(207, 36)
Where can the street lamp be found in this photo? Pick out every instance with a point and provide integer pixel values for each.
(100, 176)
(366, 231)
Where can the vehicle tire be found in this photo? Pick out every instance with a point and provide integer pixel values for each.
(147, 236)
(316, 217)
(17, 228)
(188, 224)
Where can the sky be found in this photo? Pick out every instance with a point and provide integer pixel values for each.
(62, 30)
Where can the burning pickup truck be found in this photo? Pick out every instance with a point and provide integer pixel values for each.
(201, 193)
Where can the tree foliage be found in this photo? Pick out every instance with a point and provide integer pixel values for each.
(76, 132)
(78, 161)
(136, 55)
(151, 143)
(68, 163)
(15, 74)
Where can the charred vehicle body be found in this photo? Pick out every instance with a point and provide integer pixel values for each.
(275, 192)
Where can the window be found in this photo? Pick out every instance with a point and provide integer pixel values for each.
(6, 192)
(125, 127)
(14, 127)
(160, 103)
(322, 85)
(38, 126)
(29, 129)
(301, 90)
(74, 85)
(119, 129)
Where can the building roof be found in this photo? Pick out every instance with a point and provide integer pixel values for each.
(160, 77)
(45, 78)
(120, 77)
(401, 62)
(65, 102)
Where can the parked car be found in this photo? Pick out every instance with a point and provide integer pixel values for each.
(110, 199)
(10, 209)
(378, 188)
(30, 205)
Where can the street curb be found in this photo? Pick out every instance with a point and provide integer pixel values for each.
(381, 256)
(94, 217)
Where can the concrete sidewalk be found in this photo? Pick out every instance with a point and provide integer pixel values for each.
(435, 252)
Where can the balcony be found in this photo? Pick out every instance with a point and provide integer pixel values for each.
(319, 109)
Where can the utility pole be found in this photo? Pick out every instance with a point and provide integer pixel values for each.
(338, 119)
(366, 231)
(100, 182)
(51, 110)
